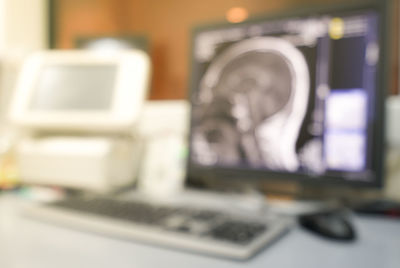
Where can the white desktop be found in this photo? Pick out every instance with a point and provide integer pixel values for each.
(76, 114)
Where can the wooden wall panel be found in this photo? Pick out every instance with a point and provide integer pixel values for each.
(167, 24)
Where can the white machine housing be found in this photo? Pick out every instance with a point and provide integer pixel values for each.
(392, 186)
(90, 149)
(392, 121)
(96, 164)
(128, 92)
(163, 129)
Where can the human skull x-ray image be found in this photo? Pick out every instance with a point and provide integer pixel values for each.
(252, 101)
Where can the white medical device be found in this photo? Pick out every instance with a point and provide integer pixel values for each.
(77, 113)
(393, 127)
(81, 90)
(163, 128)
(393, 145)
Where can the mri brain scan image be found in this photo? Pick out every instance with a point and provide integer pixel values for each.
(259, 81)
(253, 98)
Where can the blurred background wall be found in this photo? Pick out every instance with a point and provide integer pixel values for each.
(23, 29)
(167, 25)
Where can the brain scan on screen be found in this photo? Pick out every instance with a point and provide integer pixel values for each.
(259, 92)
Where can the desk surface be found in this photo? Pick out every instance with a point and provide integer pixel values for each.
(30, 243)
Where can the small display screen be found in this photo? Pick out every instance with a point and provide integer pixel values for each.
(74, 87)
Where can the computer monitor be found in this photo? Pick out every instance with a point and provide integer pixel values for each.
(81, 90)
(296, 96)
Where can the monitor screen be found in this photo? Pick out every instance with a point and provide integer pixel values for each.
(297, 96)
(74, 87)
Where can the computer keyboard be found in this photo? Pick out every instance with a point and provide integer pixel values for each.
(190, 228)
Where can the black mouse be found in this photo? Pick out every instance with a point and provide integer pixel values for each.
(329, 224)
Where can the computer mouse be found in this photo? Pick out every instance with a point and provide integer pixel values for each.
(332, 224)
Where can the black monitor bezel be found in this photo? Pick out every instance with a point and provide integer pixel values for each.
(225, 175)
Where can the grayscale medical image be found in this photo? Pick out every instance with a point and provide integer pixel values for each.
(246, 99)
(246, 106)
(259, 82)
